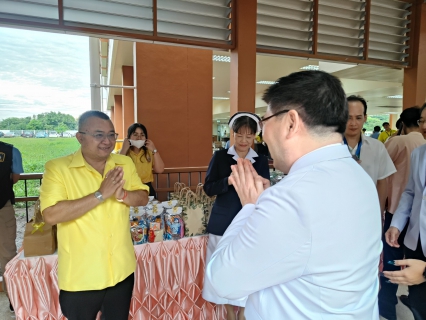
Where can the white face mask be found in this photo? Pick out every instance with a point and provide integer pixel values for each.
(137, 143)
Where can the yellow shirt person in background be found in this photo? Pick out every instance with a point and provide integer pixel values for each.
(143, 153)
(385, 135)
(88, 194)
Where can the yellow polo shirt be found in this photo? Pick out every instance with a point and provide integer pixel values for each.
(143, 167)
(383, 136)
(95, 251)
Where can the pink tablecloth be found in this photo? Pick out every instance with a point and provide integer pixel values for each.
(168, 283)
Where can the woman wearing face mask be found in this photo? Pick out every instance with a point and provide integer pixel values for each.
(227, 204)
(143, 153)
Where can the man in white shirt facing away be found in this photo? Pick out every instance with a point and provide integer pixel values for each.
(370, 153)
(304, 248)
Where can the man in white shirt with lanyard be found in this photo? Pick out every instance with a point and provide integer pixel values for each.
(303, 249)
(369, 153)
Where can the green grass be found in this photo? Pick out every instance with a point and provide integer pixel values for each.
(35, 153)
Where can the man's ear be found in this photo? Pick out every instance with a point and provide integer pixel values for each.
(293, 122)
(365, 118)
(79, 137)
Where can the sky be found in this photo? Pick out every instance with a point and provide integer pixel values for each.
(42, 72)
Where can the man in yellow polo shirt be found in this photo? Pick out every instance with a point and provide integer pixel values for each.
(88, 194)
(385, 135)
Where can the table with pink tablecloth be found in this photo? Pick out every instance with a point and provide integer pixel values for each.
(168, 283)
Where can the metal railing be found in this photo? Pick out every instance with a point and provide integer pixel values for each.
(163, 182)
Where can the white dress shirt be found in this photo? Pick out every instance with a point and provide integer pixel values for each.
(306, 250)
(413, 203)
(374, 159)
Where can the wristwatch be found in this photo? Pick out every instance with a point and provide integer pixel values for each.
(98, 195)
(154, 151)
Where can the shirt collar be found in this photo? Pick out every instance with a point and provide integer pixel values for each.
(332, 152)
(364, 139)
(415, 133)
(250, 155)
(78, 160)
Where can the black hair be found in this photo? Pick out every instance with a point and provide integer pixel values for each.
(317, 96)
(363, 129)
(385, 123)
(398, 123)
(89, 114)
(131, 130)
(376, 128)
(244, 121)
(354, 98)
(410, 116)
(422, 108)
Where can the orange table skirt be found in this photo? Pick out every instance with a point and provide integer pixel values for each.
(168, 283)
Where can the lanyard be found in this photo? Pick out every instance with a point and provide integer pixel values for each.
(358, 149)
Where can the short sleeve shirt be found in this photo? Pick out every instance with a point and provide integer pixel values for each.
(143, 164)
(375, 159)
(16, 161)
(95, 251)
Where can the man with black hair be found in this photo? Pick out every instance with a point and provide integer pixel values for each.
(10, 170)
(387, 133)
(87, 195)
(368, 152)
(376, 132)
(399, 149)
(308, 250)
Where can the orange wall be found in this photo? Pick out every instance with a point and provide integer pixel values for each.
(174, 101)
(118, 116)
(128, 98)
(415, 77)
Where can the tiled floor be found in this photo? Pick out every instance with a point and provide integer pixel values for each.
(5, 314)
(403, 312)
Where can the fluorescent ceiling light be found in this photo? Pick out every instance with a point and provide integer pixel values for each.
(310, 67)
(398, 96)
(220, 98)
(266, 82)
(221, 58)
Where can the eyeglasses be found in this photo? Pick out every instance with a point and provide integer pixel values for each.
(421, 122)
(274, 115)
(101, 136)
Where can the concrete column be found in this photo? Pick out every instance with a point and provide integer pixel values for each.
(95, 74)
(128, 98)
(174, 101)
(118, 116)
(415, 77)
(243, 58)
(112, 115)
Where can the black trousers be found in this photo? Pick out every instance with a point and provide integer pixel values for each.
(387, 293)
(417, 293)
(85, 305)
(151, 190)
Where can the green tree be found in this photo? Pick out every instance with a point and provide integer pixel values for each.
(44, 121)
(376, 120)
(61, 128)
(35, 124)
